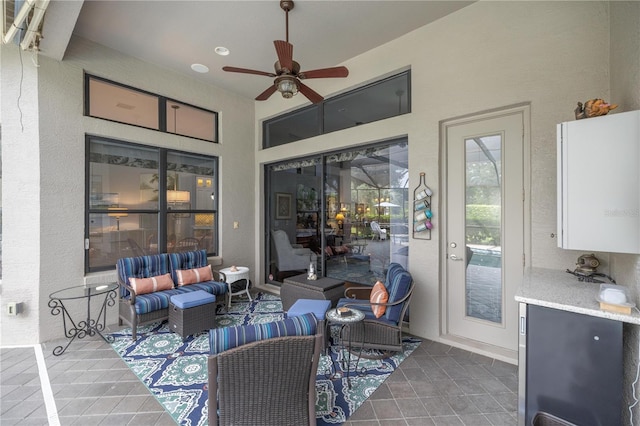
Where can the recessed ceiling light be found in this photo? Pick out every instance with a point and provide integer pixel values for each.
(200, 68)
(222, 51)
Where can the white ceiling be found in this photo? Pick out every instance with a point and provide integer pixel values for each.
(175, 34)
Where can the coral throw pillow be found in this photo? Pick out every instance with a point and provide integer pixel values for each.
(378, 295)
(149, 285)
(193, 276)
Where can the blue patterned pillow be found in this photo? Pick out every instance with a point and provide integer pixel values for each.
(222, 339)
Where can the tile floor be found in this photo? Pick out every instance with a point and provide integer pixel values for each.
(90, 385)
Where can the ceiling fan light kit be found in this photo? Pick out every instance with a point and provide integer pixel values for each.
(287, 71)
(286, 85)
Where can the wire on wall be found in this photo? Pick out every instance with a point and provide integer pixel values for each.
(633, 387)
(20, 89)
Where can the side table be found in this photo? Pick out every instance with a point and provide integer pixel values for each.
(299, 287)
(89, 326)
(345, 321)
(231, 277)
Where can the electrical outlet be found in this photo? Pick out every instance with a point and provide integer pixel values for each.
(236, 225)
(12, 308)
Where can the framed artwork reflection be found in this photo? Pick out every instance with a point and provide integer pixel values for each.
(283, 205)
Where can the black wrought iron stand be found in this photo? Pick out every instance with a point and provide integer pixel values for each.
(89, 326)
(354, 319)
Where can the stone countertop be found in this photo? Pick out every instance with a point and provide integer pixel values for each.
(560, 290)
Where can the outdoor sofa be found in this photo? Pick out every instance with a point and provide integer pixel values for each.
(148, 282)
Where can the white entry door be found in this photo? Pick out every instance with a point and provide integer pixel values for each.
(485, 221)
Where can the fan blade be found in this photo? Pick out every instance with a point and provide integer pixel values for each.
(285, 54)
(248, 71)
(311, 94)
(267, 93)
(325, 73)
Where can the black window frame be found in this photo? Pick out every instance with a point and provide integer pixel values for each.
(162, 106)
(163, 208)
(321, 109)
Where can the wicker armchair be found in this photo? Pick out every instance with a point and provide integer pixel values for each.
(384, 333)
(269, 382)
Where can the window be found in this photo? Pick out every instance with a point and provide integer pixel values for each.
(301, 124)
(116, 102)
(386, 98)
(383, 99)
(146, 200)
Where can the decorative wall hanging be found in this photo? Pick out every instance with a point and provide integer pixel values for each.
(283, 205)
(422, 213)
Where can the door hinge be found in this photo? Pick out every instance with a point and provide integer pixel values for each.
(524, 260)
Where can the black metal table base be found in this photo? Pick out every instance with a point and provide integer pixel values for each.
(84, 328)
(346, 359)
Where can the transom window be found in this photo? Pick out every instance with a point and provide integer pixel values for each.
(116, 102)
(382, 99)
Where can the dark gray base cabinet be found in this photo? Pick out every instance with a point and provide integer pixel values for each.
(574, 367)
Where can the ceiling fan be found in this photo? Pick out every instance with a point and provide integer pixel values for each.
(287, 71)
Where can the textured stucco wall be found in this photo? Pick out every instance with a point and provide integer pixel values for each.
(485, 56)
(625, 91)
(21, 197)
(51, 244)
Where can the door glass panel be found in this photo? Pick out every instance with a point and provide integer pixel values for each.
(351, 226)
(483, 227)
(367, 206)
(293, 218)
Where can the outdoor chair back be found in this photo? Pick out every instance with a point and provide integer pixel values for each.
(264, 374)
(383, 333)
(378, 231)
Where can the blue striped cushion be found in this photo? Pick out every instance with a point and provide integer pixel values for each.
(212, 287)
(151, 302)
(397, 283)
(222, 339)
(141, 267)
(187, 260)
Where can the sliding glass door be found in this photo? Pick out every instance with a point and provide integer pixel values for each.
(344, 212)
(293, 218)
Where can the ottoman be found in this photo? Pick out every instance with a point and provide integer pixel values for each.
(318, 308)
(192, 312)
(299, 287)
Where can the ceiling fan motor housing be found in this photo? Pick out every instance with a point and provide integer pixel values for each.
(280, 70)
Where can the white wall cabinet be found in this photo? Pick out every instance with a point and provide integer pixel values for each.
(599, 183)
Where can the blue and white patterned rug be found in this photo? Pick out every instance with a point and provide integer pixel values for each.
(176, 372)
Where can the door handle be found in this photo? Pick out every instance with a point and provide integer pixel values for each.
(454, 257)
